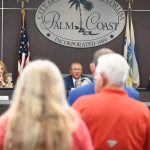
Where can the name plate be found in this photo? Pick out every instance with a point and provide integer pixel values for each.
(6, 98)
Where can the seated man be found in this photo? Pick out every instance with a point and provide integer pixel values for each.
(89, 89)
(75, 79)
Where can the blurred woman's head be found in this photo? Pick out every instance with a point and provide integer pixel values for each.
(41, 79)
(40, 114)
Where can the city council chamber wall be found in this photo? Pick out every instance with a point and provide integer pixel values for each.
(43, 48)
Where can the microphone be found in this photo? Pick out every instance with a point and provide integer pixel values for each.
(85, 81)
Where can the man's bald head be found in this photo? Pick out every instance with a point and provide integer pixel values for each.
(101, 52)
(97, 54)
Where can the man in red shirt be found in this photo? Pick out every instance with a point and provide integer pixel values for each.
(115, 120)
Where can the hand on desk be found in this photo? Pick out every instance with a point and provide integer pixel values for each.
(2, 82)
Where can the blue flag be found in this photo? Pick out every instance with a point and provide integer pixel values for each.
(130, 52)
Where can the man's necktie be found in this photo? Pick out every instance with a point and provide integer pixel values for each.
(77, 83)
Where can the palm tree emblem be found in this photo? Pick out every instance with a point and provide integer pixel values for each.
(87, 5)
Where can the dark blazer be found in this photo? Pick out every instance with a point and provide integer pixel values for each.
(89, 89)
(69, 82)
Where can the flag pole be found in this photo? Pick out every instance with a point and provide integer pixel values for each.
(22, 2)
(22, 9)
(129, 2)
(129, 13)
(130, 18)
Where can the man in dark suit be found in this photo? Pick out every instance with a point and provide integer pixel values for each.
(89, 88)
(75, 79)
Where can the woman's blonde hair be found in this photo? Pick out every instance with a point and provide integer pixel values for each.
(40, 117)
(5, 74)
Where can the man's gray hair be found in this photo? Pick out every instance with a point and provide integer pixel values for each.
(115, 67)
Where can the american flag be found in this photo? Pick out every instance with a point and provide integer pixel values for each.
(24, 50)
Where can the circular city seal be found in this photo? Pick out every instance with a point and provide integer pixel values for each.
(80, 23)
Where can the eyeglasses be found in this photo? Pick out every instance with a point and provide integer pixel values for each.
(77, 69)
